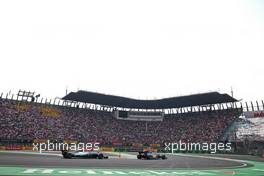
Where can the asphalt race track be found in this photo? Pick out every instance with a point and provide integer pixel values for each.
(173, 162)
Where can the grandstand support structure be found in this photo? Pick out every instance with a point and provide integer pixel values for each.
(27, 96)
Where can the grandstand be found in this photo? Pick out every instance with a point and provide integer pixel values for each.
(246, 132)
(86, 116)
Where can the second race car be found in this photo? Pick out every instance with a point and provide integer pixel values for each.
(150, 156)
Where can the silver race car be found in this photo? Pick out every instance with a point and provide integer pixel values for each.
(82, 154)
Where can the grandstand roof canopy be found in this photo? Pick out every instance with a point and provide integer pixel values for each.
(165, 103)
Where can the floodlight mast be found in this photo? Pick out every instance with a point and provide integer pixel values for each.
(25, 95)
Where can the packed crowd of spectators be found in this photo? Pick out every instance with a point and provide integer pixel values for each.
(100, 126)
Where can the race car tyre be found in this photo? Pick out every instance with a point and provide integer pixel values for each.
(139, 157)
(163, 157)
(67, 156)
(100, 156)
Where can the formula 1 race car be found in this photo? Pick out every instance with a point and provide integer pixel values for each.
(150, 156)
(81, 154)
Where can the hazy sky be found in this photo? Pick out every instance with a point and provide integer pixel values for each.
(137, 48)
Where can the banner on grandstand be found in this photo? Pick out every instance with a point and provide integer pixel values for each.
(107, 149)
(155, 145)
(137, 145)
(27, 148)
(50, 112)
(13, 148)
(254, 114)
(23, 107)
